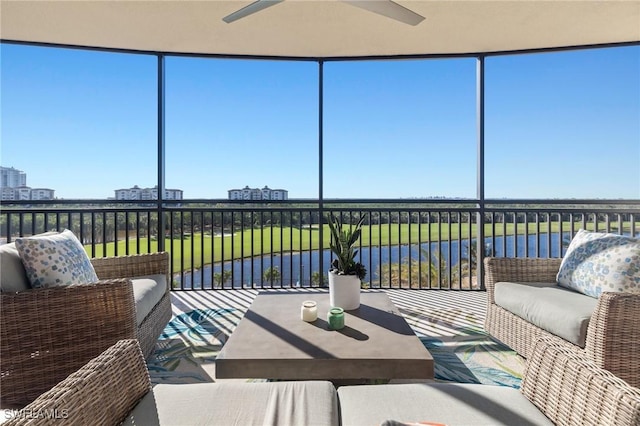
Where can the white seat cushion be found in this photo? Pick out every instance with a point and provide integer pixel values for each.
(558, 310)
(304, 403)
(447, 403)
(12, 274)
(147, 292)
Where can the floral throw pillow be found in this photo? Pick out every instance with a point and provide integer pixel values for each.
(596, 262)
(55, 260)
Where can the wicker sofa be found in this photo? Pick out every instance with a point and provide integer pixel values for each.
(48, 333)
(612, 331)
(559, 387)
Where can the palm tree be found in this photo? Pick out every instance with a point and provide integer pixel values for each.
(220, 278)
(420, 272)
(318, 279)
(466, 268)
(271, 274)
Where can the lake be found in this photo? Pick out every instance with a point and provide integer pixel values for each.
(297, 267)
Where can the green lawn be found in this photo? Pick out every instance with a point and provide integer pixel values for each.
(202, 249)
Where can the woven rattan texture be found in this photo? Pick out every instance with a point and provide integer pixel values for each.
(571, 390)
(137, 265)
(566, 387)
(153, 325)
(613, 335)
(103, 392)
(47, 334)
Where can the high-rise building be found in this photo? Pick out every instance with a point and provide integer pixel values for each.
(13, 186)
(257, 194)
(12, 178)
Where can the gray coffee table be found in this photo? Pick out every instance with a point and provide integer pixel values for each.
(272, 342)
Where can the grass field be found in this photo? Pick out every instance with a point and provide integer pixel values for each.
(201, 249)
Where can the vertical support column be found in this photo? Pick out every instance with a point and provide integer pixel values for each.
(480, 179)
(321, 166)
(161, 154)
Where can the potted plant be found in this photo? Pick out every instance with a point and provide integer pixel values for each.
(345, 274)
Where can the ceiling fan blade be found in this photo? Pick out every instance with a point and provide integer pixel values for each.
(250, 9)
(389, 9)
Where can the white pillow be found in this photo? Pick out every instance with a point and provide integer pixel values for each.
(56, 260)
(596, 262)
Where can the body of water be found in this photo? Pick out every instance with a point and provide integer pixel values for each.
(297, 268)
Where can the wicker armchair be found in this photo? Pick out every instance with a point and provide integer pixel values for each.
(613, 334)
(46, 334)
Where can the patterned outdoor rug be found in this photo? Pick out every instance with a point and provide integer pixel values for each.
(462, 351)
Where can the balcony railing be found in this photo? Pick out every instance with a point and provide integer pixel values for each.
(404, 243)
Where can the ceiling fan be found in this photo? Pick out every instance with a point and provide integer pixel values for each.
(386, 8)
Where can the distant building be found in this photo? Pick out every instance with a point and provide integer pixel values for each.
(137, 193)
(257, 194)
(13, 186)
(42, 194)
(12, 178)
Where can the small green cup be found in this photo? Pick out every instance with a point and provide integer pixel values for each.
(335, 318)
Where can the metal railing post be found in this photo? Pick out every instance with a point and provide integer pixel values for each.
(320, 169)
(161, 154)
(480, 191)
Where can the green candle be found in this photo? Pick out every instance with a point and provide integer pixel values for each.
(335, 318)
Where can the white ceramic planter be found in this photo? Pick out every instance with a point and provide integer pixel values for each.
(344, 291)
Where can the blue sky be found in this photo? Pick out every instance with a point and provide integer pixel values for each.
(558, 125)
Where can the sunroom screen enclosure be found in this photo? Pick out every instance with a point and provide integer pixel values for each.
(352, 111)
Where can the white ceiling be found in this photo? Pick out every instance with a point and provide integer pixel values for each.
(320, 29)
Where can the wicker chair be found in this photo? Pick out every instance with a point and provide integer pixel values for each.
(613, 334)
(46, 334)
